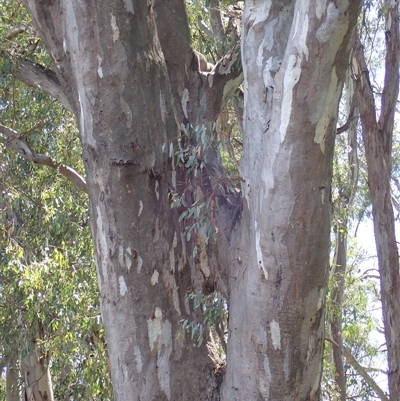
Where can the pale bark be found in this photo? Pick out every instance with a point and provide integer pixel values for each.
(36, 372)
(294, 58)
(377, 136)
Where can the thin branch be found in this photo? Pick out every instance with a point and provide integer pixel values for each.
(364, 374)
(361, 371)
(42, 78)
(351, 117)
(12, 140)
(15, 31)
(202, 25)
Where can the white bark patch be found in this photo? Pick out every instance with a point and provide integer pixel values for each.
(265, 381)
(261, 11)
(292, 75)
(154, 327)
(139, 263)
(260, 260)
(129, 6)
(271, 66)
(101, 246)
(160, 336)
(99, 67)
(184, 101)
(122, 286)
(170, 276)
(114, 27)
(154, 278)
(326, 111)
(156, 230)
(275, 335)
(128, 259)
(300, 34)
(127, 111)
(65, 47)
(138, 358)
(320, 8)
(85, 119)
(157, 190)
(121, 258)
(140, 208)
(324, 32)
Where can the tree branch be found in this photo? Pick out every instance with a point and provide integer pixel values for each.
(361, 371)
(44, 79)
(12, 140)
(364, 374)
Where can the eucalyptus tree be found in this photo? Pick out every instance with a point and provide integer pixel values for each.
(146, 110)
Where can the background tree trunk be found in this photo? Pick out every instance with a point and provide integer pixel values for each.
(377, 136)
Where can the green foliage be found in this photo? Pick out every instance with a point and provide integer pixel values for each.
(197, 209)
(212, 315)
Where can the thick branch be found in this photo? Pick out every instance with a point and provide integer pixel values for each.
(42, 78)
(12, 140)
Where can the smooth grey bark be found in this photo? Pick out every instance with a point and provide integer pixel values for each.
(294, 56)
(377, 137)
(37, 378)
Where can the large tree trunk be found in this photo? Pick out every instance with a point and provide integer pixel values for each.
(377, 136)
(294, 60)
(110, 66)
